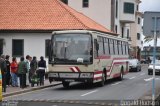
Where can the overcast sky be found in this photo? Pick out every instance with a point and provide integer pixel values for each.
(150, 5)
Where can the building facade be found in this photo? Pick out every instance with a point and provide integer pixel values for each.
(26, 27)
(120, 16)
(148, 52)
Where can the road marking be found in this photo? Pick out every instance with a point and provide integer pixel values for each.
(142, 74)
(151, 79)
(148, 79)
(116, 83)
(132, 77)
(89, 93)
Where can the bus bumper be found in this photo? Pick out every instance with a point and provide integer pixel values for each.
(71, 77)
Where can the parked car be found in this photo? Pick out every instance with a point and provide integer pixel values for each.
(157, 67)
(134, 65)
(144, 61)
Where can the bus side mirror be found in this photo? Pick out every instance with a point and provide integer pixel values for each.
(50, 52)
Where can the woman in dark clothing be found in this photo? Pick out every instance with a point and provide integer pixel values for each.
(8, 75)
(41, 70)
(33, 68)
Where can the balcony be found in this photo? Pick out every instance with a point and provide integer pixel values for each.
(127, 11)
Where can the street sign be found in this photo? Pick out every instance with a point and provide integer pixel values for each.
(148, 23)
(152, 28)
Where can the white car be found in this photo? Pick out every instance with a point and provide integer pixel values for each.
(157, 68)
(134, 65)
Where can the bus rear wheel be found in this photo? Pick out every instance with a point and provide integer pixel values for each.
(65, 84)
(102, 83)
(120, 78)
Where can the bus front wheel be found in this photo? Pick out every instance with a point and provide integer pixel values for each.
(121, 75)
(65, 84)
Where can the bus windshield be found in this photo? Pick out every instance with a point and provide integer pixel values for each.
(72, 48)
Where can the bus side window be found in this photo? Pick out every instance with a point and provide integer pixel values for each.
(100, 42)
(96, 48)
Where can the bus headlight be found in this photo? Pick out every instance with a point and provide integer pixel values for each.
(53, 75)
(86, 75)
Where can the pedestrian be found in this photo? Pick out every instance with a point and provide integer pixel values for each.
(149, 60)
(41, 70)
(28, 69)
(22, 70)
(3, 68)
(14, 72)
(8, 74)
(33, 68)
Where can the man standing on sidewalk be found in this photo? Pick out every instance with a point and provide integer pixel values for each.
(3, 67)
(22, 70)
(41, 70)
(28, 69)
(8, 74)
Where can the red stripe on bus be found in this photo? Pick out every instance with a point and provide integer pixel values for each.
(115, 63)
(78, 69)
(103, 57)
(119, 58)
(97, 78)
(98, 72)
(116, 75)
(72, 69)
(108, 71)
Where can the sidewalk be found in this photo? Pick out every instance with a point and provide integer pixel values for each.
(17, 90)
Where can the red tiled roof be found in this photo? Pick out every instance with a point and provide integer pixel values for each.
(43, 15)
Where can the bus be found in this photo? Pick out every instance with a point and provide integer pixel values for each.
(87, 56)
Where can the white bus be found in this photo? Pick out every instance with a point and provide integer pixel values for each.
(87, 56)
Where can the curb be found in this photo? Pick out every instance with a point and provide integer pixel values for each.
(148, 95)
(28, 90)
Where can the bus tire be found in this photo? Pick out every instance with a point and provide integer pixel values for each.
(65, 84)
(120, 78)
(102, 83)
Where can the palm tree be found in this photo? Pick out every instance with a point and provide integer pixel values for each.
(148, 38)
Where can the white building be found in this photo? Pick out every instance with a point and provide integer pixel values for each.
(120, 16)
(26, 26)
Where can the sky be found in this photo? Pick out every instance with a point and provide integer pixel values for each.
(150, 5)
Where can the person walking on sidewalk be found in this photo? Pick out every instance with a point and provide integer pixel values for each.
(22, 70)
(3, 68)
(41, 70)
(8, 74)
(14, 69)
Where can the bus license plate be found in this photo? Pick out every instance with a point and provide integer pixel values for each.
(69, 80)
(69, 75)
